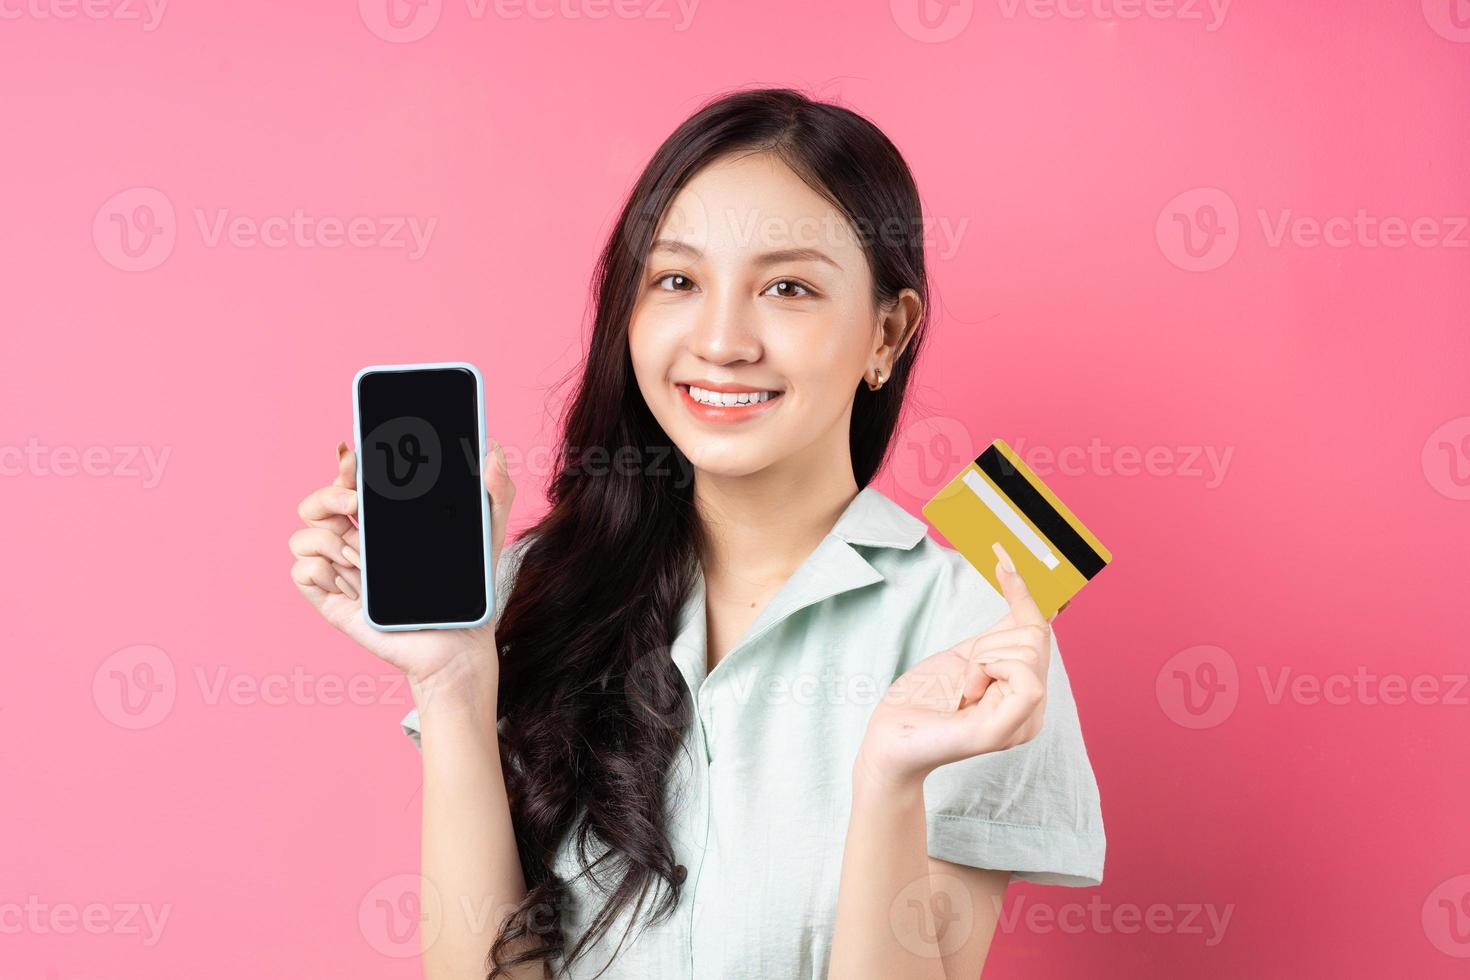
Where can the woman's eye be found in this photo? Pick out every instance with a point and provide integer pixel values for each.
(682, 283)
(786, 289)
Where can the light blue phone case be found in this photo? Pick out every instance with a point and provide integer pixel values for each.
(363, 545)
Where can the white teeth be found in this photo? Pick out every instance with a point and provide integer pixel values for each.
(706, 397)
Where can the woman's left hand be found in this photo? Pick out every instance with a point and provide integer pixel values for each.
(998, 679)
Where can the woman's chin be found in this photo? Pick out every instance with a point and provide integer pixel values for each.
(717, 458)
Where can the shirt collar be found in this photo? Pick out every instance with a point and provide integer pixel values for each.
(872, 519)
(835, 567)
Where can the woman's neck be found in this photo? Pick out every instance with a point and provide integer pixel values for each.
(762, 527)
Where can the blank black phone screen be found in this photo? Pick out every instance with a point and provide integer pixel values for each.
(419, 505)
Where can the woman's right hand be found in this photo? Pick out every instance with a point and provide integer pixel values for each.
(327, 571)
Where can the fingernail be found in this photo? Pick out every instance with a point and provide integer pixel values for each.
(985, 660)
(347, 589)
(353, 558)
(341, 451)
(1005, 559)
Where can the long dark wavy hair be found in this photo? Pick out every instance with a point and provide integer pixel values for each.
(592, 707)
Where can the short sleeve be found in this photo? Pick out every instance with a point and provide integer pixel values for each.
(503, 576)
(1032, 809)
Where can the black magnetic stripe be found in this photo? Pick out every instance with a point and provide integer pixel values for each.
(1029, 501)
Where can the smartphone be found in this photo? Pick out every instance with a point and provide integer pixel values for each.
(422, 512)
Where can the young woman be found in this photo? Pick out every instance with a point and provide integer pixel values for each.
(713, 731)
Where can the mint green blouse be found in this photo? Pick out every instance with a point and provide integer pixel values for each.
(759, 800)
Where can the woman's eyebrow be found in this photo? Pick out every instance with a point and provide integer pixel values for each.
(797, 255)
(765, 258)
(674, 245)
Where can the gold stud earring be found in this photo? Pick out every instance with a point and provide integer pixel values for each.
(875, 387)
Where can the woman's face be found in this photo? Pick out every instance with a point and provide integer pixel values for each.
(755, 283)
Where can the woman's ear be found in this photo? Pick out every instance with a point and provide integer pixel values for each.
(896, 326)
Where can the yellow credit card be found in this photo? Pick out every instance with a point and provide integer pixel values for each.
(998, 498)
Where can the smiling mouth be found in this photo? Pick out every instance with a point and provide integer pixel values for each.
(727, 399)
(718, 406)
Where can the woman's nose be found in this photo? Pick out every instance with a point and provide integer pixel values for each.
(725, 329)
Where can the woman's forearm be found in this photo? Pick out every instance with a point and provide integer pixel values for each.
(885, 860)
(469, 855)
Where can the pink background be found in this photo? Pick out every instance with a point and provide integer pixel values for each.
(1066, 154)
